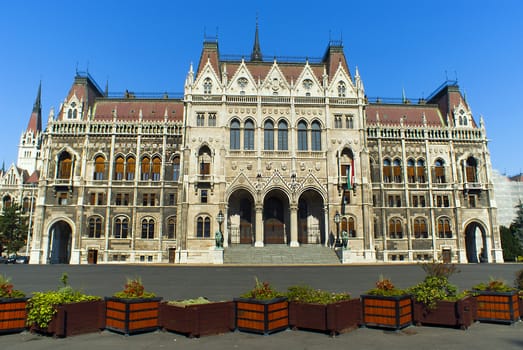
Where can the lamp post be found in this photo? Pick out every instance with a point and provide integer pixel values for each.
(337, 221)
(219, 237)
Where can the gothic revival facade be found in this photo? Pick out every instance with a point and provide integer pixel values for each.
(288, 152)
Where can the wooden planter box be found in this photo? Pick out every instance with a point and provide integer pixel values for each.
(130, 316)
(262, 316)
(501, 307)
(75, 318)
(461, 313)
(387, 312)
(333, 318)
(12, 315)
(520, 307)
(197, 320)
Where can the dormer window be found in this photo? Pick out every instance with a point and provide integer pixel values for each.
(207, 86)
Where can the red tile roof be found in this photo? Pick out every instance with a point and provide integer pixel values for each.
(129, 110)
(411, 114)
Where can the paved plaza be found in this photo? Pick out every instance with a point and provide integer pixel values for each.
(225, 283)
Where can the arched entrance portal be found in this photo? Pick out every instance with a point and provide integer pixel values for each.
(242, 217)
(476, 243)
(310, 218)
(276, 218)
(60, 243)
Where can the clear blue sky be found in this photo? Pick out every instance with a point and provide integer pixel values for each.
(147, 46)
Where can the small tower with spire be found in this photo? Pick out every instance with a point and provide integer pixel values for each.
(30, 141)
(256, 55)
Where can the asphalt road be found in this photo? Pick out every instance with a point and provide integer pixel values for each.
(227, 282)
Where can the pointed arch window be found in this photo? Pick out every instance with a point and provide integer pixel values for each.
(65, 165)
(119, 166)
(283, 132)
(7, 201)
(439, 171)
(248, 135)
(130, 168)
(203, 227)
(171, 227)
(411, 171)
(176, 168)
(444, 228)
(302, 136)
(316, 136)
(396, 169)
(471, 169)
(268, 136)
(395, 228)
(420, 228)
(156, 169)
(348, 225)
(420, 171)
(99, 167)
(204, 161)
(342, 89)
(235, 134)
(95, 227)
(121, 227)
(207, 86)
(148, 228)
(387, 171)
(146, 168)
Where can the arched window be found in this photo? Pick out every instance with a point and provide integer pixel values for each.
(148, 228)
(268, 136)
(7, 201)
(387, 171)
(351, 228)
(439, 171)
(411, 171)
(302, 136)
(420, 228)
(171, 227)
(70, 114)
(342, 89)
(146, 168)
(396, 170)
(235, 134)
(248, 135)
(65, 165)
(99, 168)
(119, 168)
(395, 228)
(204, 160)
(316, 136)
(121, 227)
(95, 227)
(207, 86)
(283, 131)
(471, 169)
(176, 168)
(157, 166)
(444, 228)
(203, 227)
(420, 171)
(131, 168)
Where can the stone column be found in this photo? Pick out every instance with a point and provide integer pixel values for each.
(259, 226)
(294, 226)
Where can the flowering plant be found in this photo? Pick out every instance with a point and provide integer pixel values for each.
(7, 290)
(384, 287)
(134, 289)
(262, 291)
(494, 285)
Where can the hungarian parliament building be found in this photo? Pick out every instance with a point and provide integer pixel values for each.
(257, 152)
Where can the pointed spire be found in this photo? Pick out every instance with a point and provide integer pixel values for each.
(256, 54)
(106, 92)
(35, 121)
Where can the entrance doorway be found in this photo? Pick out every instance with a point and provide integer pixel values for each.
(60, 243)
(475, 243)
(241, 218)
(310, 218)
(276, 218)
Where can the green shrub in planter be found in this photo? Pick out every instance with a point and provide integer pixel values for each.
(42, 306)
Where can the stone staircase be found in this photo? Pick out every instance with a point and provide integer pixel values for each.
(280, 254)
